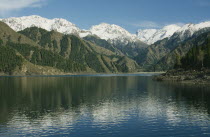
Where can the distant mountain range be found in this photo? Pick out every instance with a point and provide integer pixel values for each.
(55, 46)
(105, 31)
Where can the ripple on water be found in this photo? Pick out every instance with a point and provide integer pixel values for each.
(102, 106)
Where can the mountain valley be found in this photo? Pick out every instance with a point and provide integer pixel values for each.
(62, 47)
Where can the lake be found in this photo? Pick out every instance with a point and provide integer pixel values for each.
(102, 106)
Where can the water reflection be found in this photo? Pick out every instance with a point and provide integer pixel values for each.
(102, 106)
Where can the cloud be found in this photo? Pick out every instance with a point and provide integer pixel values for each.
(154, 25)
(146, 24)
(8, 6)
(180, 24)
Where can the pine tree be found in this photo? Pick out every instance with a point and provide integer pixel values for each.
(200, 57)
(178, 61)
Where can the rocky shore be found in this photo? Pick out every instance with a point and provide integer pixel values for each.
(187, 76)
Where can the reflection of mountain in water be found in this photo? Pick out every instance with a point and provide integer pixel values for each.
(43, 94)
(44, 103)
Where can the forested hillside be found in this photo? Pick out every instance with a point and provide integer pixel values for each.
(67, 53)
(162, 55)
(198, 57)
(9, 61)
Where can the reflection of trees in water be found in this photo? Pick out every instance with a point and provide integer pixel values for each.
(194, 95)
(181, 100)
(105, 99)
(36, 96)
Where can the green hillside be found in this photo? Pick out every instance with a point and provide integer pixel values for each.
(9, 60)
(198, 57)
(53, 50)
(162, 55)
(87, 53)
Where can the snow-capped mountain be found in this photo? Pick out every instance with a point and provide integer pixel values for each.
(150, 36)
(60, 25)
(104, 31)
(189, 29)
(112, 33)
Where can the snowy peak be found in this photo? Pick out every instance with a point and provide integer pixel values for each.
(104, 31)
(151, 36)
(109, 32)
(112, 32)
(192, 28)
(60, 25)
(171, 29)
(147, 35)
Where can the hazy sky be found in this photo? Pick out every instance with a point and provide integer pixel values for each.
(130, 14)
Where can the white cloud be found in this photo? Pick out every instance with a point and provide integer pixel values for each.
(146, 24)
(8, 6)
(153, 25)
(180, 24)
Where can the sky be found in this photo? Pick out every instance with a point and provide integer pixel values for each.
(129, 14)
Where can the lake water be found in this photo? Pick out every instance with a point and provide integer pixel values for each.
(102, 106)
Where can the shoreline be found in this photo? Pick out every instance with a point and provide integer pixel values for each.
(88, 74)
(188, 76)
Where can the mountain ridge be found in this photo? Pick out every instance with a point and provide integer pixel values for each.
(151, 36)
(109, 32)
(66, 27)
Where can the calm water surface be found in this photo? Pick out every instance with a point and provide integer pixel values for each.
(111, 106)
